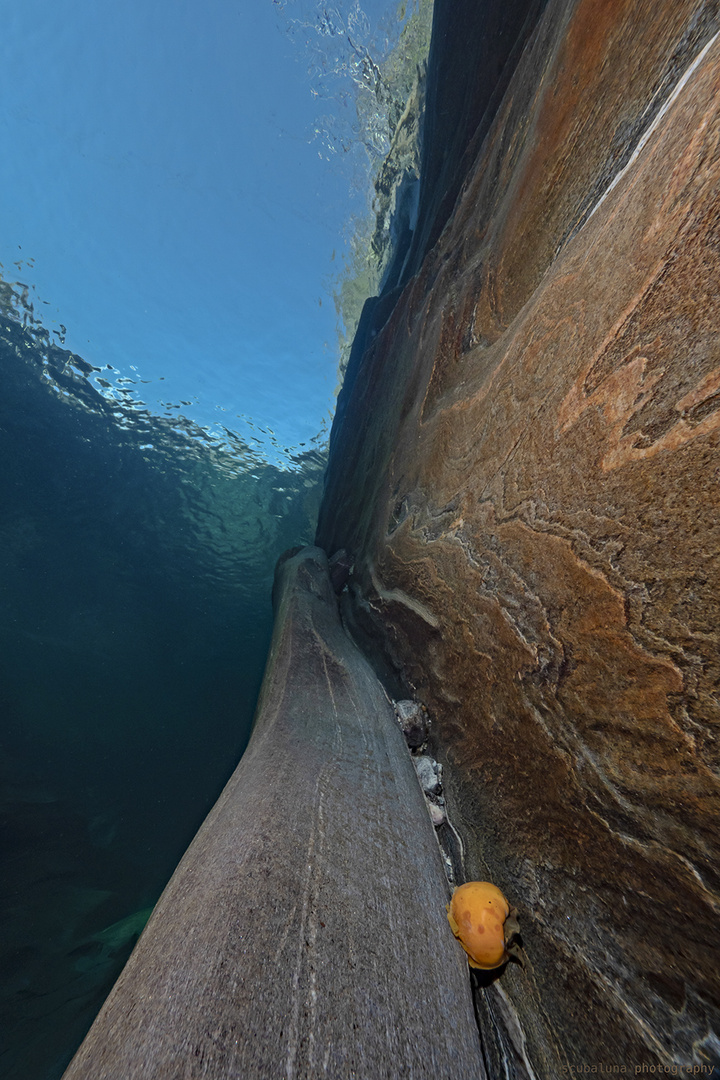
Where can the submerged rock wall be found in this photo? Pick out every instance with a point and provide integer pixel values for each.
(525, 469)
(301, 931)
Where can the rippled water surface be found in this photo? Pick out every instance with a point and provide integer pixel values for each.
(184, 194)
(134, 621)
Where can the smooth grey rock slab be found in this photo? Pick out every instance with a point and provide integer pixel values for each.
(303, 934)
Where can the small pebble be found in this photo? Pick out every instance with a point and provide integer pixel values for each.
(437, 814)
(414, 722)
(429, 774)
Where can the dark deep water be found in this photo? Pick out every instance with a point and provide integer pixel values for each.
(137, 557)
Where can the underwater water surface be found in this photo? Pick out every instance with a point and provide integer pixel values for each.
(134, 623)
(185, 195)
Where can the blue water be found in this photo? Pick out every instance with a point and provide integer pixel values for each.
(177, 189)
(134, 623)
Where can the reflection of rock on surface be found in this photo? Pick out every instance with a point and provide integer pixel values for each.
(525, 468)
(397, 189)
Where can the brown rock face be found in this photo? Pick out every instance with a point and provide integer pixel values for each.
(526, 472)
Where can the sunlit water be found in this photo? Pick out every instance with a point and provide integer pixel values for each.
(140, 527)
